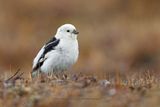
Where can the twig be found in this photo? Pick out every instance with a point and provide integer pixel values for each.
(14, 77)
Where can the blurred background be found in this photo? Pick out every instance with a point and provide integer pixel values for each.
(115, 35)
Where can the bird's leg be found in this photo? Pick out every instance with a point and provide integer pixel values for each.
(54, 75)
(59, 75)
(64, 75)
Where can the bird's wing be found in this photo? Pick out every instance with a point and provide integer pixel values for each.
(40, 58)
(51, 45)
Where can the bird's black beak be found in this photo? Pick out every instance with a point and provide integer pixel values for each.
(75, 32)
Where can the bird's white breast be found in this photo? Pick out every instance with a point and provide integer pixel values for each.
(62, 58)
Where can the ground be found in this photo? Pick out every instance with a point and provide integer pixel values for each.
(82, 90)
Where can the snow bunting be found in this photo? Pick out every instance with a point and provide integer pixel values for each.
(59, 53)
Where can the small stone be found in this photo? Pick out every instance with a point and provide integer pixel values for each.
(104, 83)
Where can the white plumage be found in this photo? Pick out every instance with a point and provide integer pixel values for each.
(59, 54)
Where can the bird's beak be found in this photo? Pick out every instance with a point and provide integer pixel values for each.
(75, 32)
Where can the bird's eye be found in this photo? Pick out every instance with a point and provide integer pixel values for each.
(68, 30)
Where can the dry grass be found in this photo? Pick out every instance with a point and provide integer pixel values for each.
(135, 89)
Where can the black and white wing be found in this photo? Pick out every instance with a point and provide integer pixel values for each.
(40, 58)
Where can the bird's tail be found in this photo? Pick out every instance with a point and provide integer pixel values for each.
(35, 73)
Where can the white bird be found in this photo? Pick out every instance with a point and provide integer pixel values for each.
(59, 53)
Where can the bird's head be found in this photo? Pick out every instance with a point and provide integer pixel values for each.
(67, 31)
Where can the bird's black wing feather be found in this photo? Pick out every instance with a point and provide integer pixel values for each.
(50, 45)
